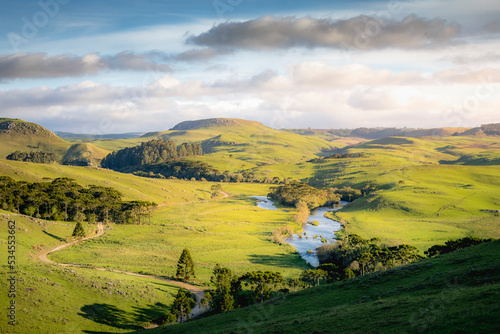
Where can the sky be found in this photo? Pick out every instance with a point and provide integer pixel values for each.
(115, 66)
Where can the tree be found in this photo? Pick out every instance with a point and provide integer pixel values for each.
(78, 231)
(454, 244)
(302, 213)
(295, 284)
(348, 273)
(365, 259)
(216, 190)
(263, 282)
(185, 266)
(182, 306)
(222, 300)
(312, 276)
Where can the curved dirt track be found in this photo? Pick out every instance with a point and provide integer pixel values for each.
(197, 291)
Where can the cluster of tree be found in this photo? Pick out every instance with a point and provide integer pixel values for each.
(65, 200)
(180, 169)
(364, 256)
(229, 293)
(188, 169)
(339, 156)
(37, 157)
(455, 244)
(326, 272)
(491, 129)
(152, 152)
(280, 234)
(294, 192)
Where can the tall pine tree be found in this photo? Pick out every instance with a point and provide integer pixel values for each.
(182, 306)
(185, 266)
(78, 231)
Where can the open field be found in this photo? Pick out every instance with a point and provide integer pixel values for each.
(53, 299)
(232, 232)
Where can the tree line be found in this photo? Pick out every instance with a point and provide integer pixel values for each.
(36, 157)
(65, 200)
(455, 244)
(155, 151)
(363, 256)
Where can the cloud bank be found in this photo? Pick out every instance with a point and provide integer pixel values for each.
(367, 32)
(41, 65)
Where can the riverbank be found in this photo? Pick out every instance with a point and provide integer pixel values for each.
(312, 236)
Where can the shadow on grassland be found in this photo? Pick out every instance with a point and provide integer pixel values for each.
(281, 260)
(54, 236)
(112, 316)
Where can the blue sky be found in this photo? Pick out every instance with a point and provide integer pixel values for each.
(120, 66)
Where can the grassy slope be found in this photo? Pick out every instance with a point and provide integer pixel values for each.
(238, 147)
(27, 137)
(87, 151)
(232, 231)
(132, 187)
(435, 202)
(53, 299)
(454, 293)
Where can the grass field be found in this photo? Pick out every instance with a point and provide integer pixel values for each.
(423, 198)
(232, 232)
(454, 293)
(53, 299)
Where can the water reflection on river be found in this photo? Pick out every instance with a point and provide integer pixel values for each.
(307, 243)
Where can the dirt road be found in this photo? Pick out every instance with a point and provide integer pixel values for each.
(197, 291)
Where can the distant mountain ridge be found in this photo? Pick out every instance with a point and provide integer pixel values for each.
(72, 135)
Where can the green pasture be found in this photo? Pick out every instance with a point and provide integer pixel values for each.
(54, 299)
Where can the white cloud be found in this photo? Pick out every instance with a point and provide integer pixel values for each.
(372, 97)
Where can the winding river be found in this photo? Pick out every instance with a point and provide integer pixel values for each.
(311, 236)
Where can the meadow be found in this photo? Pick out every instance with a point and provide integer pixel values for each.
(232, 232)
(54, 299)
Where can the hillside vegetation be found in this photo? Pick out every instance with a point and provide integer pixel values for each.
(453, 293)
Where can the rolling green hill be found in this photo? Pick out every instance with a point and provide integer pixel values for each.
(453, 293)
(235, 144)
(84, 154)
(16, 134)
